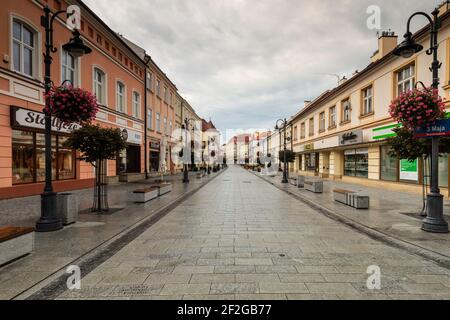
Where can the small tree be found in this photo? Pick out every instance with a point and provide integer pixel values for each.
(96, 145)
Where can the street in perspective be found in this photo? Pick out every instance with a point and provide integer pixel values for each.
(224, 151)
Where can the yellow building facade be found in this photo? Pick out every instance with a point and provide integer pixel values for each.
(341, 135)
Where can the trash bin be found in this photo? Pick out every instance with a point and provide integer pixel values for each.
(67, 208)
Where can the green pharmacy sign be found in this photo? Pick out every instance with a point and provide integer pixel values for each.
(385, 132)
(409, 170)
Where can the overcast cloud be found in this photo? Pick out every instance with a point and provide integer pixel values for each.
(246, 63)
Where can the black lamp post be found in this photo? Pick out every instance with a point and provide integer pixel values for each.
(49, 220)
(434, 222)
(185, 169)
(282, 124)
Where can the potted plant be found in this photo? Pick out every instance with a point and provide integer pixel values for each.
(71, 105)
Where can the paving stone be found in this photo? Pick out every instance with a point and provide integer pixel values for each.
(168, 278)
(193, 270)
(302, 278)
(235, 269)
(213, 278)
(266, 287)
(253, 262)
(257, 278)
(333, 288)
(233, 288)
(186, 289)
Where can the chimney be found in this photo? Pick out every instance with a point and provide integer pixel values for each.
(306, 103)
(342, 80)
(387, 42)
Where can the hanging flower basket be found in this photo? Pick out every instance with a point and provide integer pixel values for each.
(417, 108)
(72, 105)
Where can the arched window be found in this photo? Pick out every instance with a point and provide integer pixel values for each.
(100, 86)
(24, 48)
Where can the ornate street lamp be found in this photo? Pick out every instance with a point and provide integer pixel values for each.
(185, 169)
(282, 125)
(434, 222)
(49, 220)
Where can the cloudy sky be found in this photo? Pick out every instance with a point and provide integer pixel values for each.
(247, 63)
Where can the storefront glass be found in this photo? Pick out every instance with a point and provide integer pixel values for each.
(356, 163)
(389, 165)
(443, 171)
(310, 162)
(23, 157)
(28, 149)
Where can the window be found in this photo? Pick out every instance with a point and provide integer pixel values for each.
(346, 111)
(367, 103)
(158, 122)
(100, 86)
(149, 81)
(170, 99)
(389, 165)
(68, 68)
(120, 97)
(150, 119)
(295, 133)
(165, 94)
(311, 127)
(405, 79)
(158, 88)
(333, 119)
(136, 105)
(303, 131)
(356, 163)
(170, 127)
(322, 122)
(165, 125)
(24, 53)
(28, 150)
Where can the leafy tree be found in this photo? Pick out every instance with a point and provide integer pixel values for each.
(96, 145)
(290, 156)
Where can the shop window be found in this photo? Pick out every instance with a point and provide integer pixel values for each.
(24, 49)
(356, 163)
(389, 165)
(23, 157)
(443, 170)
(65, 161)
(40, 157)
(29, 158)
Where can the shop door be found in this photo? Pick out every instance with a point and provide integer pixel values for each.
(133, 159)
(317, 164)
(154, 161)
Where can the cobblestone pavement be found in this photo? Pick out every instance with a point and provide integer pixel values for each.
(242, 238)
(56, 250)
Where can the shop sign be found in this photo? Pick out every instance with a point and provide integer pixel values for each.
(132, 136)
(351, 137)
(409, 171)
(440, 128)
(309, 147)
(384, 132)
(25, 118)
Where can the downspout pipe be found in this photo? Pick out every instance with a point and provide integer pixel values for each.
(147, 60)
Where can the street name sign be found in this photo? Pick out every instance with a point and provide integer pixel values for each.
(440, 128)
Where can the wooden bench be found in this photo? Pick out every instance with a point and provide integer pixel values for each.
(145, 195)
(15, 243)
(351, 198)
(315, 186)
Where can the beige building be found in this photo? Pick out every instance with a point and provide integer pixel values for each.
(342, 134)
